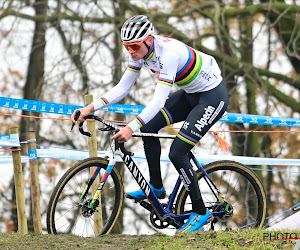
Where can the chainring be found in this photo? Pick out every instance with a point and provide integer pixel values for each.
(156, 222)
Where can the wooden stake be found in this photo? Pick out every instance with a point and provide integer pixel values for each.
(92, 142)
(34, 181)
(19, 186)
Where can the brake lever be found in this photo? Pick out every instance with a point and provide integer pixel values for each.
(107, 128)
(77, 114)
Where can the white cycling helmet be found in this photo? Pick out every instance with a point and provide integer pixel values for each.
(136, 29)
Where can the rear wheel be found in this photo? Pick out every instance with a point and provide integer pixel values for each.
(66, 216)
(242, 189)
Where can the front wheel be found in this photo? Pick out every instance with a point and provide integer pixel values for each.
(242, 189)
(66, 216)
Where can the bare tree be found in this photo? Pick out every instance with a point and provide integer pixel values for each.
(75, 50)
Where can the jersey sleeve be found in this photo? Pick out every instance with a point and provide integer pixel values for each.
(169, 64)
(118, 92)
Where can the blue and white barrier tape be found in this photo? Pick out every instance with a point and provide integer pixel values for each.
(8, 159)
(37, 106)
(69, 154)
(9, 140)
(65, 109)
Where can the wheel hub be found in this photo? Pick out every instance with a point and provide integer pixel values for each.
(226, 209)
(86, 210)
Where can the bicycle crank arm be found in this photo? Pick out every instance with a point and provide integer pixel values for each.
(146, 205)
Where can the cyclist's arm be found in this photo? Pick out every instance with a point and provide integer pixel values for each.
(170, 62)
(118, 92)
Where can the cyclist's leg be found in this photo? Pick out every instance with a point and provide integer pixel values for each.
(208, 108)
(168, 115)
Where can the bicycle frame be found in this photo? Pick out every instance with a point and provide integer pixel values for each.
(164, 214)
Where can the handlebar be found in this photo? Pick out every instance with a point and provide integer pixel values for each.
(109, 127)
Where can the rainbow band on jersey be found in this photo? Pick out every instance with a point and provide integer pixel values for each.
(191, 69)
(150, 53)
(134, 68)
(165, 81)
(104, 101)
(186, 138)
(140, 121)
(167, 116)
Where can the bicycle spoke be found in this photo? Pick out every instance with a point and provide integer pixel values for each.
(64, 215)
(239, 187)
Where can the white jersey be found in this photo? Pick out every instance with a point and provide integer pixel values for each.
(175, 63)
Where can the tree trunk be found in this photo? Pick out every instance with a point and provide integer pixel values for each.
(35, 77)
(252, 146)
(237, 139)
(35, 72)
(287, 27)
(117, 74)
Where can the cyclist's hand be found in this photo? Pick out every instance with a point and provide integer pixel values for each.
(83, 112)
(123, 135)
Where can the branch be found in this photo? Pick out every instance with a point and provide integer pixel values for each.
(58, 16)
(262, 8)
(290, 81)
(233, 63)
(287, 100)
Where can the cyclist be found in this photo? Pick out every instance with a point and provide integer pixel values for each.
(200, 102)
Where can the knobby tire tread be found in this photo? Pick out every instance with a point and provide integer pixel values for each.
(69, 174)
(243, 170)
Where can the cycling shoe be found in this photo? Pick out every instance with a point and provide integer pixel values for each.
(139, 195)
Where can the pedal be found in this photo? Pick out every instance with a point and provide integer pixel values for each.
(162, 196)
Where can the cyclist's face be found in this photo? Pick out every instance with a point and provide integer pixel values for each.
(139, 50)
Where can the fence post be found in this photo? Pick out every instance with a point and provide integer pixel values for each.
(34, 181)
(92, 142)
(19, 186)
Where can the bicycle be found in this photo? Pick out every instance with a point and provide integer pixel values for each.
(233, 193)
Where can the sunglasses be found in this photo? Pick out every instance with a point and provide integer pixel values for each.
(134, 47)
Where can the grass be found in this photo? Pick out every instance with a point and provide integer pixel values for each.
(247, 239)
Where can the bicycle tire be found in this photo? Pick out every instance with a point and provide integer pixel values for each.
(63, 213)
(238, 174)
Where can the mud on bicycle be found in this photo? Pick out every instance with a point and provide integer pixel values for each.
(88, 198)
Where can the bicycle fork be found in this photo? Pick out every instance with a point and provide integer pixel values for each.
(103, 180)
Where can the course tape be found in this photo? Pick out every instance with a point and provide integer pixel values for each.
(38, 106)
(9, 140)
(66, 109)
(32, 153)
(70, 154)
